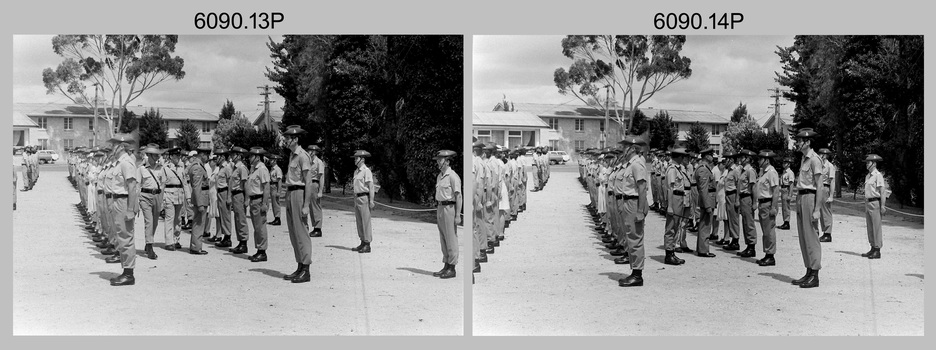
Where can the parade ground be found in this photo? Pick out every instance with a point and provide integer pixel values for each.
(553, 276)
(60, 280)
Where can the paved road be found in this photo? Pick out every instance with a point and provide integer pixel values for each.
(60, 281)
(552, 276)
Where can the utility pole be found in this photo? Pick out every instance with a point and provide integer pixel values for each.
(604, 133)
(95, 126)
(266, 106)
(776, 107)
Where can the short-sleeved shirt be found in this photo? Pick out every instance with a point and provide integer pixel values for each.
(124, 171)
(224, 175)
(447, 185)
(318, 168)
(748, 177)
(102, 178)
(766, 182)
(258, 176)
(873, 182)
(151, 178)
(810, 166)
(276, 175)
(634, 171)
(828, 172)
(362, 176)
(299, 161)
(238, 174)
(787, 177)
(731, 180)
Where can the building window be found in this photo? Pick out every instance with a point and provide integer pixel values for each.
(43, 122)
(580, 125)
(579, 145)
(601, 125)
(90, 142)
(484, 135)
(91, 124)
(43, 143)
(553, 145)
(514, 138)
(68, 143)
(715, 129)
(553, 123)
(166, 124)
(68, 123)
(205, 127)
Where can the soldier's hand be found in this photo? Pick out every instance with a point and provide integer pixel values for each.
(318, 195)
(883, 210)
(458, 219)
(305, 210)
(371, 204)
(130, 215)
(773, 212)
(829, 200)
(815, 215)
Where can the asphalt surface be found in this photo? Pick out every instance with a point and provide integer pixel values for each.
(60, 281)
(552, 276)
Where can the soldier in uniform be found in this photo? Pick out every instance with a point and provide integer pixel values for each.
(785, 181)
(363, 185)
(173, 199)
(448, 196)
(479, 229)
(152, 180)
(705, 180)
(633, 206)
(298, 197)
(825, 195)
(807, 208)
(732, 203)
(124, 185)
(513, 183)
(276, 177)
(257, 187)
(767, 190)
(198, 176)
(875, 196)
(224, 201)
(499, 193)
(746, 184)
(238, 201)
(490, 201)
(316, 177)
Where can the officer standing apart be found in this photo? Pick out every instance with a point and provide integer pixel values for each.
(767, 190)
(807, 208)
(151, 188)
(448, 196)
(785, 181)
(198, 175)
(257, 186)
(124, 183)
(363, 200)
(876, 196)
(825, 195)
(706, 184)
(298, 196)
(633, 206)
(316, 175)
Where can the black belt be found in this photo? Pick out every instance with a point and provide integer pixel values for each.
(625, 197)
(874, 199)
(728, 193)
(764, 200)
(315, 181)
(745, 194)
(362, 194)
(693, 185)
(108, 195)
(205, 188)
(173, 186)
(115, 196)
(712, 190)
(447, 203)
(610, 193)
(222, 189)
(806, 191)
(782, 186)
(146, 190)
(295, 187)
(686, 188)
(100, 191)
(827, 185)
(236, 192)
(256, 196)
(679, 193)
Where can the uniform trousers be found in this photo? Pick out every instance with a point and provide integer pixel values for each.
(490, 212)
(477, 228)
(673, 224)
(808, 239)
(150, 206)
(448, 236)
(124, 232)
(635, 233)
(315, 208)
(259, 220)
(274, 199)
(362, 217)
(785, 203)
(873, 220)
(296, 224)
(199, 223)
(240, 216)
(734, 220)
(747, 220)
(767, 223)
(623, 226)
(173, 224)
(224, 214)
(111, 231)
(705, 229)
(825, 209)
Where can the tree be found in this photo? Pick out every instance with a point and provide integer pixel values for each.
(188, 135)
(227, 111)
(740, 113)
(130, 122)
(662, 131)
(633, 68)
(505, 106)
(740, 135)
(639, 124)
(229, 131)
(153, 129)
(122, 66)
(697, 139)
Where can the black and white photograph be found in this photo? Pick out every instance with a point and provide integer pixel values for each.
(672, 185)
(239, 185)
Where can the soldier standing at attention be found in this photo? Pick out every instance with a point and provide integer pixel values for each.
(151, 197)
(257, 187)
(490, 199)
(732, 202)
(198, 175)
(746, 188)
(825, 195)
(316, 177)
(224, 200)
(807, 209)
(875, 195)
(276, 176)
(767, 190)
(448, 196)
(785, 181)
(173, 200)
(363, 200)
(125, 184)
(633, 206)
(238, 202)
(477, 227)
(298, 196)
(706, 184)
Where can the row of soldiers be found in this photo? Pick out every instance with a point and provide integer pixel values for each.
(30, 169)
(500, 192)
(718, 188)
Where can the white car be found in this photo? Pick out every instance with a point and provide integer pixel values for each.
(47, 156)
(558, 157)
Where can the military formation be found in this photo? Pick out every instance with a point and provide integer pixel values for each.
(501, 183)
(697, 192)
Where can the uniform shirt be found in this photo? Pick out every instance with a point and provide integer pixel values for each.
(318, 168)
(258, 176)
(276, 175)
(477, 171)
(747, 178)
(92, 174)
(733, 177)
(828, 172)
(447, 185)
(151, 178)
(705, 180)
(238, 175)
(362, 176)
(616, 179)
(787, 177)
(810, 166)
(299, 161)
(224, 175)
(102, 178)
(124, 171)
(676, 181)
(635, 170)
(198, 176)
(173, 195)
(873, 182)
(766, 182)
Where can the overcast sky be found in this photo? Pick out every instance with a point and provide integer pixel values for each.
(726, 70)
(217, 68)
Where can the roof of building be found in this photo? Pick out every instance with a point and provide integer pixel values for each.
(21, 120)
(508, 119)
(70, 110)
(544, 110)
(768, 121)
(276, 113)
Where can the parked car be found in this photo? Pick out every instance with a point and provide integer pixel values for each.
(47, 156)
(17, 150)
(558, 157)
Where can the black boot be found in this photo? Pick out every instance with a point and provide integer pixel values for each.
(259, 256)
(800, 281)
(768, 260)
(785, 226)
(294, 274)
(149, 251)
(811, 281)
(241, 248)
(440, 272)
(495, 242)
(748, 252)
(450, 273)
(874, 253)
(358, 248)
(672, 259)
(484, 257)
(316, 232)
(365, 248)
(303, 275)
(225, 242)
(734, 245)
(634, 280)
(125, 279)
(275, 222)
(477, 266)
(826, 237)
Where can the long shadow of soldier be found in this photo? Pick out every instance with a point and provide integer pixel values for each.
(415, 270)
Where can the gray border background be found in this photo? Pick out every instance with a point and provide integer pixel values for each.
(467, 18)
